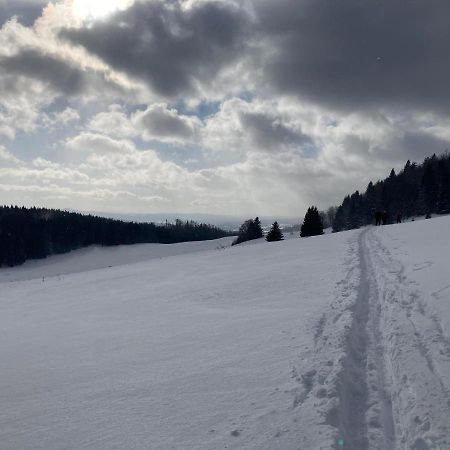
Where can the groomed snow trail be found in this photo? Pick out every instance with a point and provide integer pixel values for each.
(391, 389)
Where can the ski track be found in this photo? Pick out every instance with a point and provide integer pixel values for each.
(385, 389)
(416, 352)
(363, 415)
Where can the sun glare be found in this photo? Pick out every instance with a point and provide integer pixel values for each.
(97, 9)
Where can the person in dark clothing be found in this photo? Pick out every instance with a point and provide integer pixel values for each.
(378, 218)
(399, 218)
(384, 217)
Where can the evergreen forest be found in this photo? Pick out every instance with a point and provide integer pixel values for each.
(418, 189)
(28, 233)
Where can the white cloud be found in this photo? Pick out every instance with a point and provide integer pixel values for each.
(7, 157)
(113, 122)
(98, 143)
(68, 115)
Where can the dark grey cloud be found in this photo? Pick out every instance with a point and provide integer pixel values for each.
(359, 54)
(270, 133)
(60, 75)
(417, 145)
(158, 121)
(395, 150)
(25, 11)
(347, 54)
(169, 47)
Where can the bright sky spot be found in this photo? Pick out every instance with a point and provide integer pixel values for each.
(98, 9)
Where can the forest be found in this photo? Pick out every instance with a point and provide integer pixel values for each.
(28, 233)
(418, 189)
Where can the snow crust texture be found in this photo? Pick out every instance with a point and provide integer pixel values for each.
(333, 342)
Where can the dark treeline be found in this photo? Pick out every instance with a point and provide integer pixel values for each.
(36, 233)
(419, 189)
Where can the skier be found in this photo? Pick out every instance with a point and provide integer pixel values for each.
(378, 218)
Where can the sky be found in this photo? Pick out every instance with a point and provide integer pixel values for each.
(236, 107)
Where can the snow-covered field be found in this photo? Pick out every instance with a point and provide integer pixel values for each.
(337, 341)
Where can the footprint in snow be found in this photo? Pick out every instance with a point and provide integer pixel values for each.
(424, 265)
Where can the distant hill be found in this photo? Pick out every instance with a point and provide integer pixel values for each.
(28, 233)
(226, 222)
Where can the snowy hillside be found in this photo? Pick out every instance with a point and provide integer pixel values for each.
(337, 341)
(97, 257)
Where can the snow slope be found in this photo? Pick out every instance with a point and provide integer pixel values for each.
(97, 257)
(337, 341)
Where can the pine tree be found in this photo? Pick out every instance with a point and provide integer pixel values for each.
(275, 233)
(312, 223)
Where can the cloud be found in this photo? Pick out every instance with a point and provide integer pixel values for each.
(114, 122)
(36, 69)
(343, 55)
(27, 11)
(269, 132)
(157, 122)
(302, 101)
(66, 116)
(357, 55)
(175, 47)
(98, 143)
(37, 55)
(7, 158)
(160, 122)
(62, 76)
(259, 125)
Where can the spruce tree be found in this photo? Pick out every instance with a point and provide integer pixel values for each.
(257, 230)
(249, 230)
(312, 223)
(275, 233)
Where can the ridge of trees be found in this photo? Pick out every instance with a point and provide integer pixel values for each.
(418, 189)
(29, 233)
